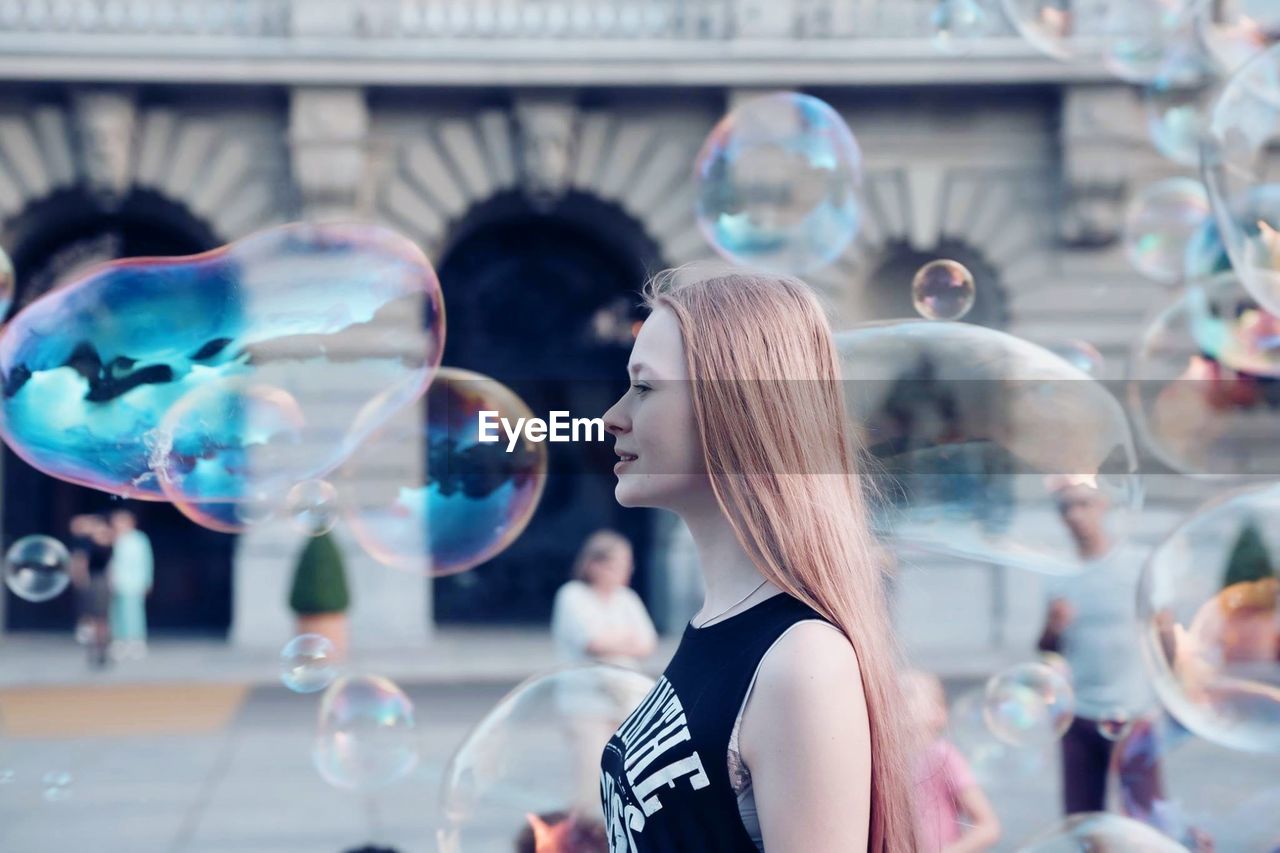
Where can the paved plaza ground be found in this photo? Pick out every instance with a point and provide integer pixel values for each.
(222, 762)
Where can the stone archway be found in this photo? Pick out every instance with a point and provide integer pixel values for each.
(543, 299)
(52, 241)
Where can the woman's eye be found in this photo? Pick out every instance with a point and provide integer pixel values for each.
(640, 389)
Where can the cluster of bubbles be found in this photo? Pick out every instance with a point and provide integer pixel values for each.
(308, 663)
(366, 735)
(1030, 704)
(779, 183)
(531, 767)
(976, 435)
(36, 568)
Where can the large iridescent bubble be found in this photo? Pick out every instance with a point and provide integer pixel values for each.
(1160, 777)
(778, 182)
(1196, 412)
(532, 765)
(1209, 604)
(1100, 831)
(461, 500)
(974, 436)
(1239, 171)
(1160, 222)
(366, 736)
(346, 320)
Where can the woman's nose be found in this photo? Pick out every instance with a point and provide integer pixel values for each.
(614, 420)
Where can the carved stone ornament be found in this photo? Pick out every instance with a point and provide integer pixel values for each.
(546, 128)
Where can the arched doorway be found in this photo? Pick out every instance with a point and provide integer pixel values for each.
(887, 294)
(544, 302)
(51, 242)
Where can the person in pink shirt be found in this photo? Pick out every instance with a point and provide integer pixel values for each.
(954, 814)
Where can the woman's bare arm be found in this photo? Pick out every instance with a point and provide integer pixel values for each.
(806, 738)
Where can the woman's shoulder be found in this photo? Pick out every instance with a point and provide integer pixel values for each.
(572, 589)
(809, 650)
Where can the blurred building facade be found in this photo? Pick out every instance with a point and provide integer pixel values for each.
(565, 128)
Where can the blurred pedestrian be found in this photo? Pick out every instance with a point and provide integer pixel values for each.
(953, 811)
(91, 554)
(132, 574)
(597, 615)
(1091, 621)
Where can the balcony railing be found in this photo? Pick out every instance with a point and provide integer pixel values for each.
(467, 42)
(710, 20)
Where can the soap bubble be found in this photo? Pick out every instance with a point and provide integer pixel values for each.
(994, 763)
(477, 497)
(1090, 831)
(778, 182)
(1159, 770)
(1195, 413)
(943, 290)
(347, 320)
(1209, 604)
(1158, 225)
(313, 506)
(7, 284)
(1206, 254)
(307, 663)
(7, 776)
(1235, 31)
(1230, 327)
(1244, 189)
(366, 737)
(1081, 355)
(535, 758)
(1142, 38)
(1028, 705)
(975, 436)
(35, 568)
(958, 23)
(226, 444)
(1115, 724)
(1177, 103)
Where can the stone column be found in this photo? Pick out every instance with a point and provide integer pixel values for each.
(328, 135)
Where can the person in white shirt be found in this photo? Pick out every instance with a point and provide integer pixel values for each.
(1091, 620)
(130, 575)
(597, 616)
(597, 619)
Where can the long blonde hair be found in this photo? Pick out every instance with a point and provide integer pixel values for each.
(780, 454)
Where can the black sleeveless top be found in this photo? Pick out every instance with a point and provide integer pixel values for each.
(664, 778)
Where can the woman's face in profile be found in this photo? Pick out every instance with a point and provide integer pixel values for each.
(653, 424)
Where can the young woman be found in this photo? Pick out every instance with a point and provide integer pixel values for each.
(778, 725)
